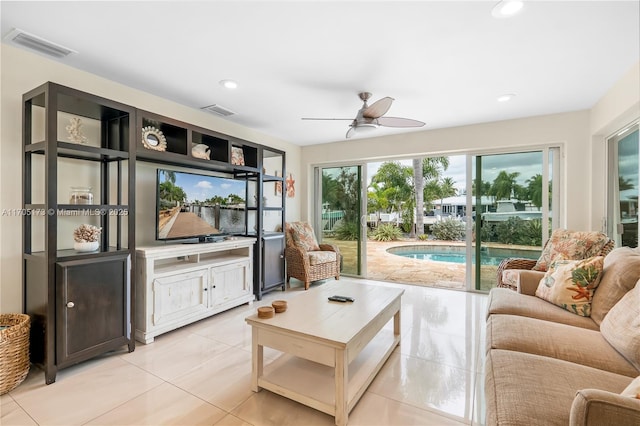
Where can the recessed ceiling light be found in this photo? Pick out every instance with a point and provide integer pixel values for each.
(229, 84)
(506, 97)
(506, 8)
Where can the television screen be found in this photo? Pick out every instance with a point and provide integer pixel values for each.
(191, 205)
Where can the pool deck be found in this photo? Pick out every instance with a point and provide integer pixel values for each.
(384, 266)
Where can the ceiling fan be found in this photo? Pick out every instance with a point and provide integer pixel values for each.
(371, 116)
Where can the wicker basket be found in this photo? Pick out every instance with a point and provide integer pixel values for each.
(14, 350)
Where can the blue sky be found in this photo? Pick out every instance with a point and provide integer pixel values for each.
(201, 187)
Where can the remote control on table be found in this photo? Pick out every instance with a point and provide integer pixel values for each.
(341, 299)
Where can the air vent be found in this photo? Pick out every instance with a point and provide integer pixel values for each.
(219, 110)
(23, 38)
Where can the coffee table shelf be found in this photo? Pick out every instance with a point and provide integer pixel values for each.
(332, 351)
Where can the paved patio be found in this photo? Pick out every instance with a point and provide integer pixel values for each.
(384, 266)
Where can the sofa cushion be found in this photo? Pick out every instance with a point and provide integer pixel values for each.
(301, 235)
(560, 341)
(320, 257)
(570, 284)
(571, 245)
(621, 326)
(621, 271)
(527, 389)
(505, 301)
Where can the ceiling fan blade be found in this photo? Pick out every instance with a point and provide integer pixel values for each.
(307, 118)
(378, 108)
(350, 131)
(399, 122)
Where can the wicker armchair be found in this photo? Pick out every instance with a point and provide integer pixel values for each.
(574, 245)
(306, 259)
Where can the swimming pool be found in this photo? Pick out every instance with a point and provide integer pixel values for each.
(457, 254)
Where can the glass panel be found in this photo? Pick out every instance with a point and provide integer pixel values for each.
(339, 221)
(509, 199)
(624, 188)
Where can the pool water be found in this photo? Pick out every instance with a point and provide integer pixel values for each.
(457, 254)
(451, 258)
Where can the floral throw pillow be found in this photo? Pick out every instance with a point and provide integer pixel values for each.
(573, 245)
(570, 284)
(302, 235)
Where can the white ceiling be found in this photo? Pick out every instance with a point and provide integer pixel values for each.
(444, 62)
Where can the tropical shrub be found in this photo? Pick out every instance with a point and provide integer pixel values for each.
(514, 231)
(346, 231)
(386, 232)
(448, 229)
(423, 237)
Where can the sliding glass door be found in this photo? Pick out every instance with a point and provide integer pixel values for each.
(512, 200)
(624, 187)
(338, 214)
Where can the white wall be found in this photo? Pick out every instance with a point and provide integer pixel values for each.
(22, 71)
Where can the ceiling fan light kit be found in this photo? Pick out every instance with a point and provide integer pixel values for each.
(371, 117)
(506, 8)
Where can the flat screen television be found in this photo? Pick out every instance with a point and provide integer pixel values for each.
(193, 206)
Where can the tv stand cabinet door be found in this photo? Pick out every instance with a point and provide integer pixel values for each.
(93, 315)
(179, 296)
(230, 282)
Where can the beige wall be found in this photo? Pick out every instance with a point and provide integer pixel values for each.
(22, 71)
(580, 134)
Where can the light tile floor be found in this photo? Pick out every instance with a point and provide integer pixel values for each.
(200, 375)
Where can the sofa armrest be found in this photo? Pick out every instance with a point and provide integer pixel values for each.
(592, 407)
(513, 263)
(529, 281)
(329, 247)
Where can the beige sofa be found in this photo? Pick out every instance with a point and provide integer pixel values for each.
(548, 366)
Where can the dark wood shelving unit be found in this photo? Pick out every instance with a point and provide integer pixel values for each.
(80, 304)
(63, 287)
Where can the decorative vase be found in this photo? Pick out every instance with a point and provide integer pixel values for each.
(85, 247)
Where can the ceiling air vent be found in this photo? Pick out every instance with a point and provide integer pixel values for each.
(23, 38)
(219, 110)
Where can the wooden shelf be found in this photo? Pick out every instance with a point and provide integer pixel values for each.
(81, 152)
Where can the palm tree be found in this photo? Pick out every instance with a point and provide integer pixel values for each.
(504, 185)
(447, 188)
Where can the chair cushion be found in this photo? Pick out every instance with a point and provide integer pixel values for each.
(570, 284)
(320, 257)
(301, 235)
(571, 245)
(621, 272)
(621, 326)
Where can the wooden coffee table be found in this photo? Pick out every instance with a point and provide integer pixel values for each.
(333, 350)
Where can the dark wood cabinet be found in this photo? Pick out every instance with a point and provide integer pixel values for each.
(93, 300)
(77, 169)
(273, 271)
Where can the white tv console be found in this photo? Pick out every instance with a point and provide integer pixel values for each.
(178, 284)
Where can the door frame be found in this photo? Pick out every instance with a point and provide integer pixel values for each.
(317, 207)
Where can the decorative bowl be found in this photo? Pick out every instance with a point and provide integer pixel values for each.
(279, 305)
(86, 247)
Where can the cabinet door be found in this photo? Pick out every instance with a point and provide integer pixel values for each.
(178, 296)
(230, 282)
(273, 261)
(93, 307)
